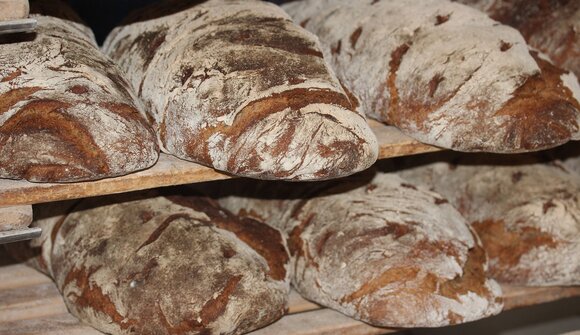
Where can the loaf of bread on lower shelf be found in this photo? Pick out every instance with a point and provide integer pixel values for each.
(13, 9)
(552, 27)
(445, 73)
(237, 86)
(149, 264)
(378, 249)
(66, 113)
(526, 212)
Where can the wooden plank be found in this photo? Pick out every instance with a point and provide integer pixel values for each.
(320, 322)
(520, 296)
(31, 304)
(170, 171)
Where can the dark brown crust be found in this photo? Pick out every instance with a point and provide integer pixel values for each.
(75, 146)
(506, 247)
(265, 240)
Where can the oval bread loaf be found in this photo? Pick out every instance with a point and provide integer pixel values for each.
(552, 27)
(445, 73)
(527, 214)
(382, 250)
(66, 113)
(236, 85)
(148, 264)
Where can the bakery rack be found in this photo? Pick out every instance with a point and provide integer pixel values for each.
(31, 304)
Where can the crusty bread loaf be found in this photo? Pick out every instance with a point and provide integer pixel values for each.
(146, 264)
(66, 114)
(550, 26)
(236, 85)
(382, 250)
(445, 73)
(526, 212)
(15, 217)
(13, 9)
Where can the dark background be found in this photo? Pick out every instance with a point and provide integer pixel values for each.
(104, 15)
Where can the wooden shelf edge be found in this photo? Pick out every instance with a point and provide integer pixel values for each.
(169, 171)
(31, 304)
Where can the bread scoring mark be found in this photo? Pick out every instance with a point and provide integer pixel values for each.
(11, 76)
(409, 186)
(304, 23)
(397, 230)
(547, 205)
(335, 50)
(80, 156)
(185, 326)
(388, 277)
(504, 46)
(161, 228)
(505, 246)
(92, 297)
(78, 89)
(552, 106)
(441, 201)
(297, 247)
(14, 96)
(147, 43)
(355, 36)
(263, 239)
(140, 276)
(215, 307)
(394, 63)
(440, 19)
(434, 84)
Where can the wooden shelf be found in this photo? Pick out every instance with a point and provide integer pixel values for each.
(171, 171)
(30, 304)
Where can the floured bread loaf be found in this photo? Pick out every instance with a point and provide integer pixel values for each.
(13, 9)
(66, 114)
(527, 214)
(445, 73)
(382, 251)
(236, 85)
(550, 26)
(146, 264)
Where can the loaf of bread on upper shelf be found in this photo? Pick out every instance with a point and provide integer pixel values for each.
(152, 265)
(238, 86)
(378, 249)
(13, 9)
(445, 73)
(526, 212)
(550, 26)
(66, 113)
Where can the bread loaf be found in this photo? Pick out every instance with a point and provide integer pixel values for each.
(66, 113)
(445, 73)
(550, 26)
(15, 217)
(147, 264)
(526, 212)
(13, 9)
(237, 86)
(382, 250)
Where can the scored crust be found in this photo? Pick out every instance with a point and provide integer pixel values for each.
(236, 85)
(445, 74)
(66, 114)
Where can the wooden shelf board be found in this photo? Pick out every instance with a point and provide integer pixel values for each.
(31, 304)
(170, 171)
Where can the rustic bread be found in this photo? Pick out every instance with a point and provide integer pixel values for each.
(13, 9)
(381, 250)
(66, 114)
(445, 73)
(147, 264)
(550, 26)
(15, 217)
(237, 86)
(526, 212)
